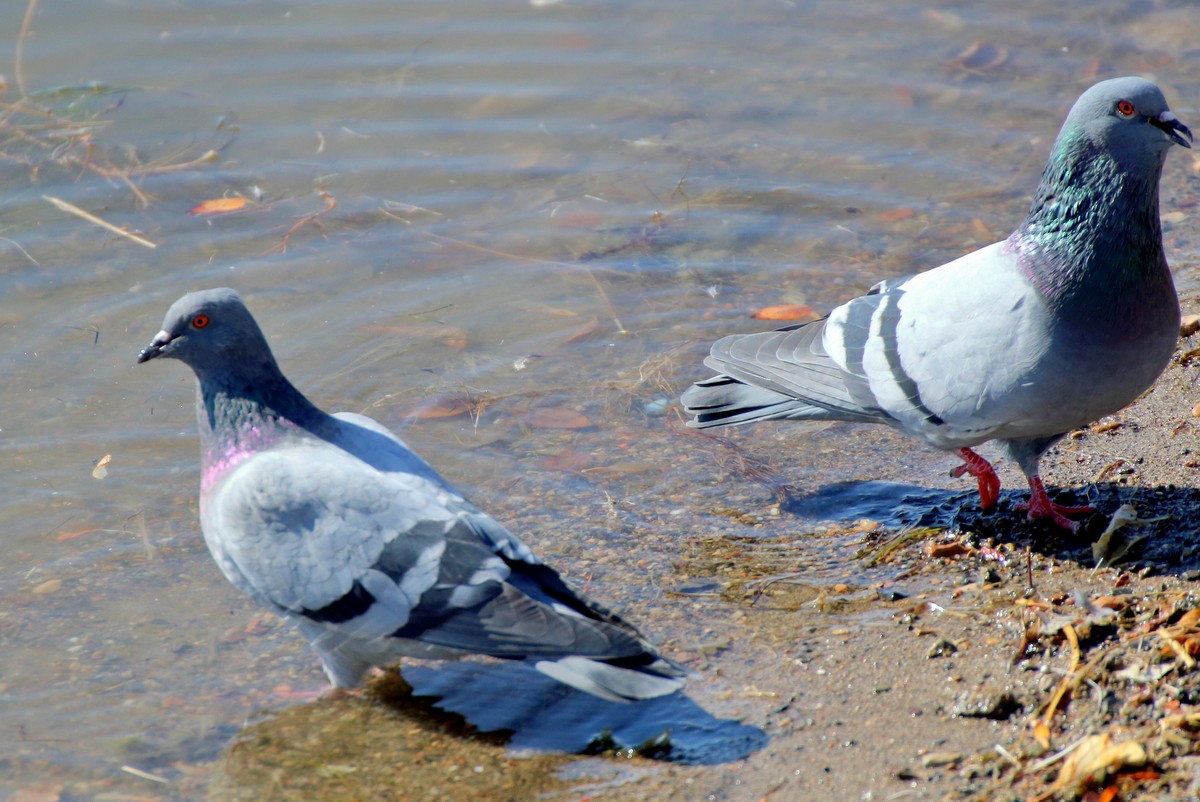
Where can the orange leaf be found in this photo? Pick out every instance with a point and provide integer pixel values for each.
(896, 215)
(944, 550)
(567, 460)
(72, 535)
(558, 418)
(581, 218)
(440, 406)
(101, 468)
(37, 793)
(785, 312)
(1041, 734)
(218, 206)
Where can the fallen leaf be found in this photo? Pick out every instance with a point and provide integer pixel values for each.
(218, 206)
(73, 535)
(941, 550)
(48, 587)
(568, 460)
(558, 418)
(1041, 734)
(981, 232)
(622, 469)
(896, 215)
(37, 793)
(785, 312)
(1097, 754)
(580, 218)
(101, 469)
(439, 406)
(1112, 545)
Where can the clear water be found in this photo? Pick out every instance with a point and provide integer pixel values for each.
(582, 193)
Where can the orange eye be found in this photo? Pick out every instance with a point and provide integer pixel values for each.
(199, 321)
(1125, 108)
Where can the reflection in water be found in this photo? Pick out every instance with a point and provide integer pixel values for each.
(548, 716)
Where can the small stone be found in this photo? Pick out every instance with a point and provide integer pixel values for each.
(984, 703)
(936, 759)
(941, 648)
(1189, 325)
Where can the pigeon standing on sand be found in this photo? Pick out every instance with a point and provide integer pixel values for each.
(1069, 319)
(331, 521)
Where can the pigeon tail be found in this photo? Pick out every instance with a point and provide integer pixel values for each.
(725, 401)
(610, 680)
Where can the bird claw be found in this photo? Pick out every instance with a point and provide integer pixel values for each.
(1040, 506)
(985, 475)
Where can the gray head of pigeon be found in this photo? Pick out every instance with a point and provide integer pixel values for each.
(1095, 214)
(214, 334)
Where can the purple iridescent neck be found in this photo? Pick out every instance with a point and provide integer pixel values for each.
(239, 419)
(219, 456)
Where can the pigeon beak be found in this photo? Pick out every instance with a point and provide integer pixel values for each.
(155, 348)
(1170, 125)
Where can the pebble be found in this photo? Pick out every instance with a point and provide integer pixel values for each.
(942, 648)
(657, 408)
(936, 759)
(1189, 325)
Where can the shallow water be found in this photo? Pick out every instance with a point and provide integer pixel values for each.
(541, 211)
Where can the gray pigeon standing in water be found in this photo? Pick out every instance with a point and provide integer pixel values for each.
(1069, 319)
(331, 521)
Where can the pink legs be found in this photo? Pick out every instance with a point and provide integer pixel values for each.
(984, 473)
(1039, 505)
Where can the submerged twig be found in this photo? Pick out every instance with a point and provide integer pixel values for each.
(71, 208)
(604, 299)
(282, 245)
(19, 55)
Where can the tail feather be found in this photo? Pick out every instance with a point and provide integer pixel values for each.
(725, 401)
(613, 682)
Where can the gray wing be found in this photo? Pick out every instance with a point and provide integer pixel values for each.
(380, 564)
(944, 354)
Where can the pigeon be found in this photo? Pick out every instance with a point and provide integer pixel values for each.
(1067, 320)
(333, 522)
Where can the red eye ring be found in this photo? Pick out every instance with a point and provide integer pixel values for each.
(1125, 108)
(199, 321)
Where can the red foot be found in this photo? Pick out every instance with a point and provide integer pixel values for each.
(984, 473)
(1040, 506)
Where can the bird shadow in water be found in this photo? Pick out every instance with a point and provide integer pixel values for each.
(545, 715)
(1169, 545)
(889, 503)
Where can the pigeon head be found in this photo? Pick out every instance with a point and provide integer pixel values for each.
(1093, 228)
(1128, 120)
(213, 333)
